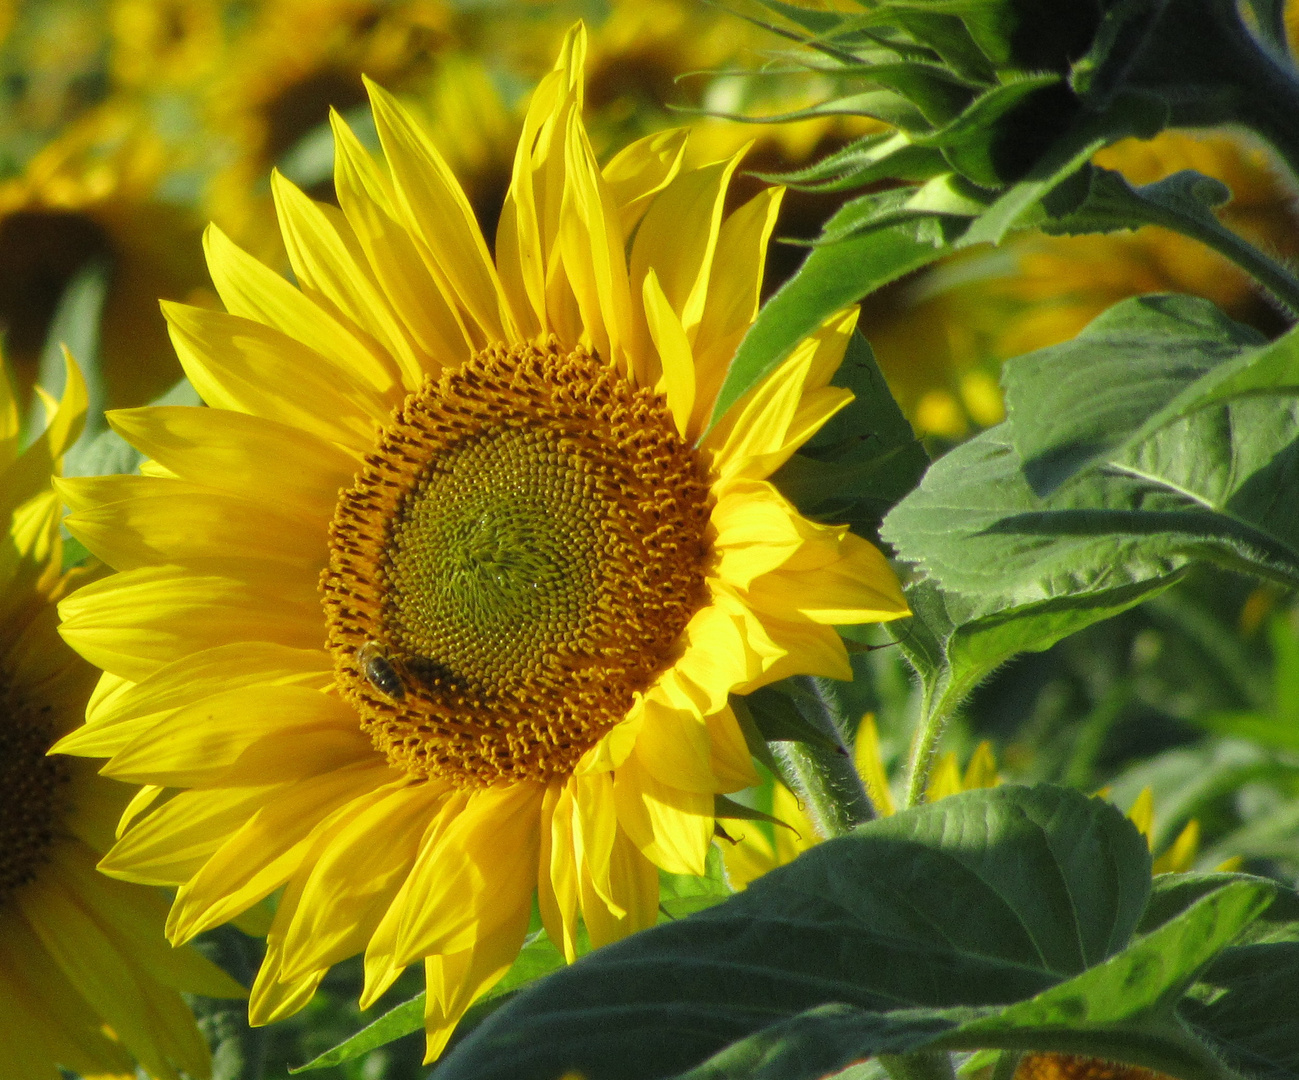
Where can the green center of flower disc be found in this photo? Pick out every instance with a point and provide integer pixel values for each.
(514, 564)
(30, 788)
(495, 560)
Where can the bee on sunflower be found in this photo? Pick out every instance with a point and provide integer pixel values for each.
(438, 606)
(87, 981)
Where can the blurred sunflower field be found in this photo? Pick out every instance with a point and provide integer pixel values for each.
(599, 539)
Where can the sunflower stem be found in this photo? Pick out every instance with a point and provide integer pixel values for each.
(824, 775)
(936, 709)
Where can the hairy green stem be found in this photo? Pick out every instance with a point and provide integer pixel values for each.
(1274, 276)
(937, 707)
(835, 798)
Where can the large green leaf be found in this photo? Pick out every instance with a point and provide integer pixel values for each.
(986, 898)
(1077, 403)
(1204, 487)
(1121, 1009)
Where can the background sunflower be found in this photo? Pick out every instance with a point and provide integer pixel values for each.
(87, 982)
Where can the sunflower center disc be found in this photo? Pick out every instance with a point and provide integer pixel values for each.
(516, 560)
(30, 786)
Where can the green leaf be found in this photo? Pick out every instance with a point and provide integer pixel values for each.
(778, 719)
(830, 278)
(684, 894)
(1076, 404)
(863, 460)
(974, 142)
(1120, 1009)
(1131, 115)
(872, 157)
(399, 1021)
(984, 898)
(76, 325)
(1203, 488)
(955, 641)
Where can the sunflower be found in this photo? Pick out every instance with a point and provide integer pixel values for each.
(440, 603)
(92, 196)
(165, 43)
(87, 981)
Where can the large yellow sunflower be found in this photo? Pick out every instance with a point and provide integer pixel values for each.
(87, 980)
(437, 607)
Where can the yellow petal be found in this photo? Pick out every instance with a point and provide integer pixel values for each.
(678, 239)
(367, 200)
(43, 1019)
(594, 254)
(135, 622)
(463, 884)
(1180, 858)
(436, 211)
(149, 1018)
(641, 170)
(870, 766)
(134, 918)
(173, 842)
(671, 827)
(333, 271)
(529, 224)
(557, 886)
(676, 363)
(944, 780)
(271, 1000)
(595, 827)
(256, 292)
(981, 772)
(734, 288)
(355, 868)
(113, 719)
(455, 980)
(257, 851)
(1142, 814)
(203, 741)
(674, 746)
(732, 763)
(760, 431)
(634, 881)
(238, 364)
(860, 587)
(233, 451)
(150, 521)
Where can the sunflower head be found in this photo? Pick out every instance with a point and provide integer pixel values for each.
(478, 578)
(515, 564)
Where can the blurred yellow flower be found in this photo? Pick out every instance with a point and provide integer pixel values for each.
(474, 580)
(293, 63)
(87, 980)
(92, 196)
(165, 43)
